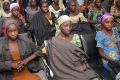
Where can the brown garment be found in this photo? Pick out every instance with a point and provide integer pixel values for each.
(25, 73)
(65, 59)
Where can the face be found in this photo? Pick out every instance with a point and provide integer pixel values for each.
(98, 3)
(73, 6)
(66, 28)
(33, 2)
(15, 11)
(44, 7)
(6, 6)
(12, 32)
(108, 24)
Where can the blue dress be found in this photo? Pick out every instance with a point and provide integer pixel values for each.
(109, 45)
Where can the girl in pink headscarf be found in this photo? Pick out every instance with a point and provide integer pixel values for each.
(108, 42)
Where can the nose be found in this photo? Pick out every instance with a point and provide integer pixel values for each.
(68, 28)
(13, 33)
(110, 24)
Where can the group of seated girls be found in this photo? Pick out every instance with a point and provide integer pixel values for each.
(19, 56)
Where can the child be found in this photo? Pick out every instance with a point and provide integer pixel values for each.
(108, 41)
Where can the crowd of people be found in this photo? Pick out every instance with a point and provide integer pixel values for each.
(30, 29)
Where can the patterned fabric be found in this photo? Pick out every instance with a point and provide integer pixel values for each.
(95, 14)
(76, 40)
(109, 45)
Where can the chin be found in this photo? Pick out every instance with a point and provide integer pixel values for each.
(13, 39)
(109, 29)
(67, 34)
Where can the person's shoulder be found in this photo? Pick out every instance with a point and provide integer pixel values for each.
(24, 37)
(99, 34)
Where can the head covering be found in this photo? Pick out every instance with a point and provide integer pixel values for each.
(60, 21)
(10, 21)
(13, 5)
(106, 16)
(6, 1)
(63, 19)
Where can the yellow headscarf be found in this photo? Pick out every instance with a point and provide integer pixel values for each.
(60, 21)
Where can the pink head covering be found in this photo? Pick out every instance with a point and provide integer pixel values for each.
(13, 5)
(106, 16)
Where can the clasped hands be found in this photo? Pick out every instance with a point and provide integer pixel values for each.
(19, 66)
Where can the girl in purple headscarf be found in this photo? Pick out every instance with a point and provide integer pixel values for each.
(108, 41)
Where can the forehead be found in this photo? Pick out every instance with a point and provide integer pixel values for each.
(44, 4)
(16, 8)
(110, 19)
(12, 26)
(66, 23)
(72, 3)
(6, 3)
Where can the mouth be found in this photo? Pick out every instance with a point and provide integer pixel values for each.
(14, 36)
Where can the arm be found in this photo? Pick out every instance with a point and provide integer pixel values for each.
(36, 53)
(100, 44)
(102, 54)
(5, 66)
(28, 59)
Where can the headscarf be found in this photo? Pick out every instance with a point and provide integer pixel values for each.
(13, 5)
(63, 19)
(60, 21)
(106, 16)
(10, 21)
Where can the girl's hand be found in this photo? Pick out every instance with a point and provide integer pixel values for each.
(83, 67)
(14, 66)
(17, 66)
